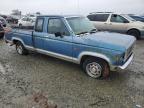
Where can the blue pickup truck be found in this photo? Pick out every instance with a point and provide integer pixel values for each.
(75, 39)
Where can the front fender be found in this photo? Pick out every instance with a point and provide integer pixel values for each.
(94, 54)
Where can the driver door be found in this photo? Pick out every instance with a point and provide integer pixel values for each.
(117, 24)
(60, 45)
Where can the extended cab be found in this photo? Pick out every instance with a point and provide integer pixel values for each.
(26, 22)
(75, 39)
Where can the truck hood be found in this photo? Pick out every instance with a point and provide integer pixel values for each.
(114, 41)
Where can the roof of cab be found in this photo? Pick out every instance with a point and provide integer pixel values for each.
(61, 16)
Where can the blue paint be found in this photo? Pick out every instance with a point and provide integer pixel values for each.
(111, 45)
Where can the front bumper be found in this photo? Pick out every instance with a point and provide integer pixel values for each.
(127, 63)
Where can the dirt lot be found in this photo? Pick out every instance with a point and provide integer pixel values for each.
(66, 84)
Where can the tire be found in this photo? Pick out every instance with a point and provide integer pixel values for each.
(21, 49)
(135, 33)
(96, 68)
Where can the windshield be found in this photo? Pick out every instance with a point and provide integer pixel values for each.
(137, 18)
(81, 25)
(129, 18)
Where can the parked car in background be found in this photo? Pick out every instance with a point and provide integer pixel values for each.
(137, 18)
(75, 39)
(3, 24)
(114, 22)
(12, 20)
(26, 22)
(4, 16)
(31, 16)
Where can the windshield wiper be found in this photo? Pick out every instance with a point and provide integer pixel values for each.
(81, 33)
(93, 31)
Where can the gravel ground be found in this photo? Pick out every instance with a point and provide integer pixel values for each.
(65, 84)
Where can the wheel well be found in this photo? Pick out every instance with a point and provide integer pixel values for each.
(15, 41)
(88, 56)
(134, 29)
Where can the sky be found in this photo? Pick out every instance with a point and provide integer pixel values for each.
(72, 6)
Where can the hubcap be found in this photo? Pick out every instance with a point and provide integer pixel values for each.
(94, 69)
(19, 49)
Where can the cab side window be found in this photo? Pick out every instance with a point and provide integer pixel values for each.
(118, 19)
(91, 17)
(56, 25)
(39, 25)
(98, 17)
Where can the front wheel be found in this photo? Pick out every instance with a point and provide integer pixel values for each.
(21, 49)
(96, 68)
(135, 33)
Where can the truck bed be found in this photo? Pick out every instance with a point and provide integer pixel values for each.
(25, 35)
(22, 31)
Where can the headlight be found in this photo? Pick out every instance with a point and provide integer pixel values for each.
(119, 57)
(128, 52)
(126, 55)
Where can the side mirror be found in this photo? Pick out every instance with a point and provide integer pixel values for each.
(58, 34)
(126, 21)
(114, 15)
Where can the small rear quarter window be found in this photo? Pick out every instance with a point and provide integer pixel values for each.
(98, 17)
(39, 25)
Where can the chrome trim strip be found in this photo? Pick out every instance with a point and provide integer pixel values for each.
(127, 63)
(60, 56)
(56, 55)
(67, 58)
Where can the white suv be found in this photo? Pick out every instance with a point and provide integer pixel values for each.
(122, 23)
(26, 22)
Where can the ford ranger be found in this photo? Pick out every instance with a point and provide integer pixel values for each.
(75, 39)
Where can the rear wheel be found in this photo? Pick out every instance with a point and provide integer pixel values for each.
(135, 33)
(96, 68)
(21, 49)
